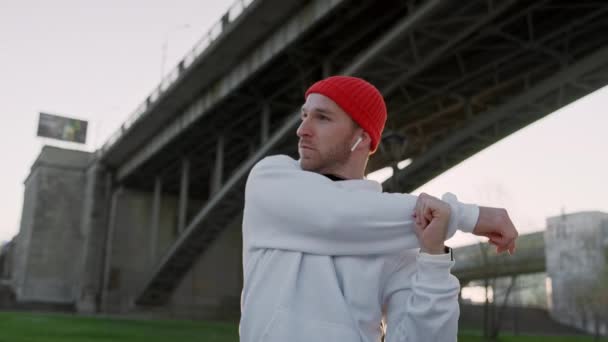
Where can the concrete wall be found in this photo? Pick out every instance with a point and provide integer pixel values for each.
(129, 253)
(23, 237)
(576, 260)
(212, 288)
(49, 242)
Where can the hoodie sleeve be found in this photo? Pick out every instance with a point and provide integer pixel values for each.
(288, 208)
(421, 301)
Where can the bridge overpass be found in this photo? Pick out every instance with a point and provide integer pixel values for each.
(457, 77)
(477, 262)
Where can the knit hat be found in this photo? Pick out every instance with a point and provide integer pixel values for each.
(359, 99)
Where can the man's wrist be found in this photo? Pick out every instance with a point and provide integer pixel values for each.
(444, 251)
(489, 218)
(435, 250)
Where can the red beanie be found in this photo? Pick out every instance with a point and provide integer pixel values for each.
(359, 99)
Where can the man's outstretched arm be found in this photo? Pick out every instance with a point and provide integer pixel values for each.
(493, 223)
(287, 208)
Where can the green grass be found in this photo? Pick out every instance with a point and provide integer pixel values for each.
(30, 327)
(507, 338)
(471, 336)
(26, 327)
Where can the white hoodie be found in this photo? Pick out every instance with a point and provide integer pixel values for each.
(328, 260)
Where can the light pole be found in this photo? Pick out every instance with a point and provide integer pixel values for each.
(165, 47)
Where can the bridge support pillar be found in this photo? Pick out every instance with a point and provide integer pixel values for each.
(94, 228)
(155, 218)
(183, 195)
(216, 178)
(106, 281)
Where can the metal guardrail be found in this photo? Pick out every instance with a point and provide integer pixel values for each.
(235, 10)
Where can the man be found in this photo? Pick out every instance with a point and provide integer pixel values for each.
(327, 256)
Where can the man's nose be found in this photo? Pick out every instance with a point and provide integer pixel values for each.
(304, 130)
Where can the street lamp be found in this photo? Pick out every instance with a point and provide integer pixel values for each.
(165, 47)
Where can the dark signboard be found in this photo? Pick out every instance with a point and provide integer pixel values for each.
(62, 128)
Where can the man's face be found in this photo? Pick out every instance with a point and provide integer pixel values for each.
(326, 135)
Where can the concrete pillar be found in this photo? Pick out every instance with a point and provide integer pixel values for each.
(183, 195)
(108, 249)
(94, 230)
(154, 220)
(216, 179)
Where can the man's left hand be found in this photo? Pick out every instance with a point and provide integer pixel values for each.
(495, 224)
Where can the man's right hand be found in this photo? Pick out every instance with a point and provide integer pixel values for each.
(432, 217)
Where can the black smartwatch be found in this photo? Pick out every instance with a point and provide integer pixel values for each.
(447, 250)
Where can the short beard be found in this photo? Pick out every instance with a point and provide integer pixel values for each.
(331, 160)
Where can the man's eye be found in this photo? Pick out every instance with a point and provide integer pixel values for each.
(323, 117)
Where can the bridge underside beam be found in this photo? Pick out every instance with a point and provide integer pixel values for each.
(533, 103)
(462, 84)
(499, 80)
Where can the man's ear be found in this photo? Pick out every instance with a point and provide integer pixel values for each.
(366, 140)
(363, 139)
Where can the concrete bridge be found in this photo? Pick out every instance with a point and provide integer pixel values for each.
(159, 224)
(477, 262)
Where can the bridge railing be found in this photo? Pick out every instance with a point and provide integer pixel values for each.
(235, 10)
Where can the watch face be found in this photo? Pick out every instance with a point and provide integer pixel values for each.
(449, 250)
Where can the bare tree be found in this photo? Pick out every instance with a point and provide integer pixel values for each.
(590, 296)
(493, 312)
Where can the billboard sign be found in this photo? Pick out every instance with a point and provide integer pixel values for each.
(62, 128)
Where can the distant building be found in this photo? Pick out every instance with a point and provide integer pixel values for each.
(576, 256)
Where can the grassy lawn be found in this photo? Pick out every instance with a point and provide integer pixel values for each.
(510, 338)
(26, 327)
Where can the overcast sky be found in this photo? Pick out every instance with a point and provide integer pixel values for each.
(97, 60)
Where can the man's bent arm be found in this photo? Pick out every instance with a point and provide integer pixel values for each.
(423, 306)
(287, 208)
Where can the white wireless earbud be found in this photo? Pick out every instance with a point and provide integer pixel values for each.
(356, 143)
